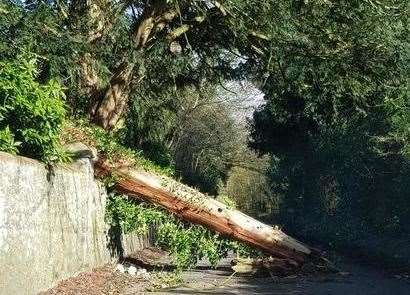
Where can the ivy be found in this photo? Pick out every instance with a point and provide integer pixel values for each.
(7, 143)
(187, 243)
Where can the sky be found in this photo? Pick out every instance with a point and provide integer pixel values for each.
(243, 96)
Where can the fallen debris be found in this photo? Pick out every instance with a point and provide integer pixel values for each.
(120, 268)
(151, 258)
(277, 266)
(107, 280)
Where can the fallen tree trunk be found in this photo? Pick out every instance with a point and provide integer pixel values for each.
(193, 206)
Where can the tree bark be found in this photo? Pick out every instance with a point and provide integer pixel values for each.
(190, 205)
(93, 19)
(109, 108)
(110, 103)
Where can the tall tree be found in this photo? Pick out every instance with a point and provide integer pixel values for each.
(336, 94)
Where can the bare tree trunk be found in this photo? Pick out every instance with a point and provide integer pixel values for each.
(191, 205)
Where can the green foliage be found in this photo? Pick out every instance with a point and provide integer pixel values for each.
(334, 75)
(109, 145)
(82, 45)
(187, 243)
(31, 113)
(399, 120)
(227, 200)
(188, 128)
(336, 123)
(250, 187)
(7, 143)
(206, 139)
(131, 216)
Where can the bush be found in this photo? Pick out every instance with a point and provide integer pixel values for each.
(31, 113)
(7, 143)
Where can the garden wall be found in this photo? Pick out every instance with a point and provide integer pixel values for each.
(51, 224)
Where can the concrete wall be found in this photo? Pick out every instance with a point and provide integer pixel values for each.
(51, 224)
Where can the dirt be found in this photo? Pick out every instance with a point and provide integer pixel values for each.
(101, 281)
(355, 279)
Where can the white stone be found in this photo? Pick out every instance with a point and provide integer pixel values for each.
(132, 270)
(120, 268)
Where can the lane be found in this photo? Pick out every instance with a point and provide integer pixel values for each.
(362, 280)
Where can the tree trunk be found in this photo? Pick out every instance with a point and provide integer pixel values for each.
(190, 205)
(111, 102)
(108, 109)
(93, 19)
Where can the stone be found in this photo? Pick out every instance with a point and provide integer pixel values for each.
(79, 151)
(120, 268)
(132, 270)
(51, 223)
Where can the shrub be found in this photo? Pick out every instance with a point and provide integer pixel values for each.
(31, 113)
(7, 143)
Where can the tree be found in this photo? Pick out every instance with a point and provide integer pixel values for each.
(105, 50)
(248, 185)
(206, 145)
(334, 121)
(152, 25)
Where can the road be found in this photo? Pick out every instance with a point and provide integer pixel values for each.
(361, 280)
